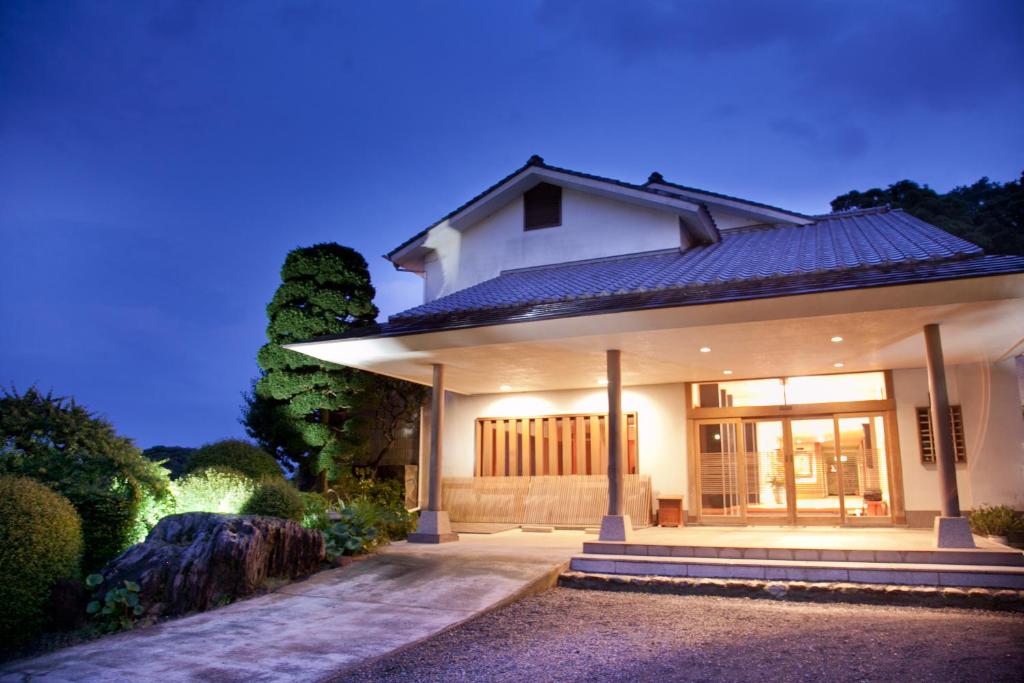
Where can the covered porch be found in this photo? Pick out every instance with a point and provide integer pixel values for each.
(524, 359)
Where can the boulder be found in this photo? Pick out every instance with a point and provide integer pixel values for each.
(197, 560)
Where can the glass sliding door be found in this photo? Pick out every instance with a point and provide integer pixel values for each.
(818, 477)
(865, 464)
(764, 458)
(719, 479)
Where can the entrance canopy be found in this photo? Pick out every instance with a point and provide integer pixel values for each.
(982, 320)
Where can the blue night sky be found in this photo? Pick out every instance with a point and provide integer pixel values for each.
(159, 159)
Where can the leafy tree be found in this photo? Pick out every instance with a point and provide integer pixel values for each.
(325, 290)
(61, 444)
(990, 214)
(175, 459)
(385, 407)
(268, 422)
(238, 455)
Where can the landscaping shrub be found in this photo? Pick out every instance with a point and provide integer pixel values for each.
(276, 498)
(40, 544)
(315, 511)
(358, 531)
(61, 444)
(213, 489)
(237, 455)
(388, 500)
(998, 520)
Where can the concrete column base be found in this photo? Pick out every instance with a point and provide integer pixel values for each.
(953, 532)
(434, 527)
(616, 528)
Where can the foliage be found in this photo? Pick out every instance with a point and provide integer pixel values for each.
(213, 490)
(152, 509)
(59, 443)
(276, 498)
(382, 492)
(269, 424)
(238, 455)
(315, 511)
(998, 520)
(325, 290)
(357, 531)
(990, 214)
(384, 407)
(118, 608)
(174, 459)
(40, 544)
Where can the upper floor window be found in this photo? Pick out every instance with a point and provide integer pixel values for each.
(542, 207)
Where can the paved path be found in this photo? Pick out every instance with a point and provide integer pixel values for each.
(316, 628)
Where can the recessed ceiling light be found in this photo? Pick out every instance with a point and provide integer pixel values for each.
(602, 382)
(837, 339)
(726, 372)
(705, 349)
(505, 387)
(837, 365)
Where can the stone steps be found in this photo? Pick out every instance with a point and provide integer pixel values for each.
(972, 556)
(818, 570)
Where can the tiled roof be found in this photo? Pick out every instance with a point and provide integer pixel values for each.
(837, 242)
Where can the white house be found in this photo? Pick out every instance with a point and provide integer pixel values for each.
(772, 367)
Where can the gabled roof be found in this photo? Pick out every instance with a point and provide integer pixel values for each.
(857, 249)
(688, 202)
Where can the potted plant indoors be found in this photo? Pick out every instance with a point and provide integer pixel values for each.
(996, 522)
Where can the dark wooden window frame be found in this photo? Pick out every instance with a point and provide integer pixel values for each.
(924, 434)
(542, 207)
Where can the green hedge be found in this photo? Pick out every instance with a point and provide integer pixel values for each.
(276, 498)
(40, 543)
(237, 455)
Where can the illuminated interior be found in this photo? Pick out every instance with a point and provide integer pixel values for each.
(779, 391)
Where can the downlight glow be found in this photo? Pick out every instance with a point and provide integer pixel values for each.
(705, 349)
(836, 340)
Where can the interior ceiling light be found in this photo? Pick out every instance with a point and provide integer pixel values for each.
(726, 372)
(836, 339)
(705, 349)
(837, 365)
(602, 382)
(505, 387)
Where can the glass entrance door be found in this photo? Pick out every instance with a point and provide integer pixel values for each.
(817, 472)
(764, 455)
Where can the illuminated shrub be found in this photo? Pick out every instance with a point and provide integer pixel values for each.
(276, 498)
(62, 445)
(237, 455)
(213, 489)
(40, 544)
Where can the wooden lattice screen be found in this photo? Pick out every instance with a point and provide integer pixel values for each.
(549, 445)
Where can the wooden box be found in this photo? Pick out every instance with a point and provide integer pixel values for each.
(670, 511)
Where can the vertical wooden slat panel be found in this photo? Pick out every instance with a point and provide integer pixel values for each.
(581, 445)
(499, 449)
(631, 452)
(488, 448)
(595, 445)
(513, 447)
(602, 448)
(565, 436)
(551, 451)
(478, 447)
(530, 446)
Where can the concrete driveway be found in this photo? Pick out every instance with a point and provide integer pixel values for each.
(316, 628)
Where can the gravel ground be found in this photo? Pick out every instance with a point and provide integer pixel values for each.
(577, 635)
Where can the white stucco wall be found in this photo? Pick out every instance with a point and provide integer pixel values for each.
(661, 420)
(993, 429)
(592, 227)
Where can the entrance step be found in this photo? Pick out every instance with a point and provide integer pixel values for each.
(874, 572)
(953, 556)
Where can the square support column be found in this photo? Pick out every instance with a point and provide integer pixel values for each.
(616, 525)
(951, 530)
(434, 525)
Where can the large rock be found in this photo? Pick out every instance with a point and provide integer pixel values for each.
(196, 560)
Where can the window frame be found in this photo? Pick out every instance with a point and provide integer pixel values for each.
(925, 438)
(551, 222)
